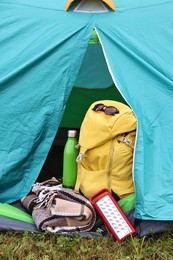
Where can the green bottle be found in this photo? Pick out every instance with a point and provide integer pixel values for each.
(69, 160)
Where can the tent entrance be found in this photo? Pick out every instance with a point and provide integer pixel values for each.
(93, 83)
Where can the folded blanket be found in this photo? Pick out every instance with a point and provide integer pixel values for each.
(58, 209)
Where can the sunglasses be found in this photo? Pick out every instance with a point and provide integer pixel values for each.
(109, 110)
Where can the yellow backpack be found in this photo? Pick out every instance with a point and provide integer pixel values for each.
(106, 145)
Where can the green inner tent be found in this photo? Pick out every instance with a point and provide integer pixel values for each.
(75, 109)
(87, 88)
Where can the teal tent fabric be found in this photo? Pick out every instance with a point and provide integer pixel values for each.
(42, 48)
(140, 36)
(94, 74)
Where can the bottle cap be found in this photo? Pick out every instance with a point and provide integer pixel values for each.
(72, 133)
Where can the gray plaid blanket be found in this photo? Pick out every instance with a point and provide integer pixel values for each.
(58, 209)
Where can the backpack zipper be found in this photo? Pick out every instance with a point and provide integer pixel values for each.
(111, 153)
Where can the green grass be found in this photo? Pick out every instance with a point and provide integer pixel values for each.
(29, 246)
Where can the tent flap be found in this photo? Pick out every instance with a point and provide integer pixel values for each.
(36, 77)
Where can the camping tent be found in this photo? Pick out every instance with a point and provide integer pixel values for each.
(42, 50)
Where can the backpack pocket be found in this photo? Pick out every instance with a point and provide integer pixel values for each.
(89, 182)
(121, 174)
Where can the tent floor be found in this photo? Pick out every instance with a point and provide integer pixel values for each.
(143, 227)
(10, 224)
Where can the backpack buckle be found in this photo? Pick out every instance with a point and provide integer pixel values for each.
(79, 158)
(127, 142)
